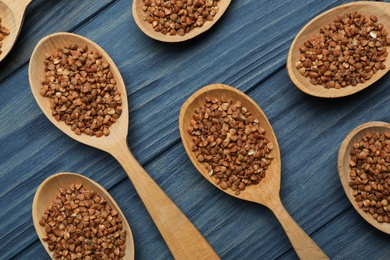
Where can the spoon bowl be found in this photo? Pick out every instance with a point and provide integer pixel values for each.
(183, 243)
(344, 169)
(267, 191)
(146, 27)
(254, 193)
(48, 191)
(12, 14)
(49, 44)
(380, 9)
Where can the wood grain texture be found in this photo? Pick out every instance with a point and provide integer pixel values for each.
(246, 49)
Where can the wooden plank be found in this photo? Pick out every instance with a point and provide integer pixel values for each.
(246, 49)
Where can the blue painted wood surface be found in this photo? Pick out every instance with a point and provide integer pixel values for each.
(246, 49)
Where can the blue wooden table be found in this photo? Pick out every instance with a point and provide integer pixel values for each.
(246, 49)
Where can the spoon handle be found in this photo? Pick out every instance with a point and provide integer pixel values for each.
(182, 238)
(304, 246)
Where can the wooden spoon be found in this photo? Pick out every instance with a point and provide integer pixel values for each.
(147, 28)
(12, 14)
(267, 191)
(380, 9)
(184, 242)
(48, 191)
(343, 166)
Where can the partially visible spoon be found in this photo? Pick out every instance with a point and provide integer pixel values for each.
(12, 14)
(379, 9)
(146, 27)
(344, 158)
(48, 191)
(267, 191)
(181, 236)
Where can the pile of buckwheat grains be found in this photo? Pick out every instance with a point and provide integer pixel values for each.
(82, 90)
(230, 143)
(79, 224)
(346, 52)
(178, 17)
(370, 175)
(3, 33)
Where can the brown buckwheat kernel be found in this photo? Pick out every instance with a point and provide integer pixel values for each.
(3, 33)
(346, 52)
(370, 175)
(80, 224)
(82, 90)
(230, 143)
(178, 17)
